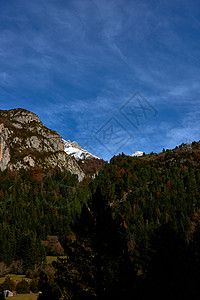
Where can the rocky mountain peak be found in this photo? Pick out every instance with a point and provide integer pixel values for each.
(73, 149)
(76, 145)
(20, 115)
(26, 142)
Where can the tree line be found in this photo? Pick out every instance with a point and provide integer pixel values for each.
(132, 230)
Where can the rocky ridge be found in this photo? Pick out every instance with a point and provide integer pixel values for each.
(26, 142)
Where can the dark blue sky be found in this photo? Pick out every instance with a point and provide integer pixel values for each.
(112, 75)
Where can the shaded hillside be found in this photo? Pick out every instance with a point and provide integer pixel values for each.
(35, 204)
(140, 234)
(91, 167)
(134, 228)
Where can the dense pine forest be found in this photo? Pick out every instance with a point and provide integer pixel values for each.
(134, 229)
(36, 205)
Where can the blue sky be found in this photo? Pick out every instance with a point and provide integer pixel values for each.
(112, 75)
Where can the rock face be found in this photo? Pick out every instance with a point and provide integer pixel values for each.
(26, 142)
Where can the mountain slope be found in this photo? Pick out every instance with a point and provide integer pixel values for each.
(26, 142)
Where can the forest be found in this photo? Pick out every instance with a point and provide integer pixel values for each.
(134, 229)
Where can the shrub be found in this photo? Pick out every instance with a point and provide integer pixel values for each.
(8, 284)
(23, 287)
(53, 246)
(34, 285)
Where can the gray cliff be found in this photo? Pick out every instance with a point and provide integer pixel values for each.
(26, 142)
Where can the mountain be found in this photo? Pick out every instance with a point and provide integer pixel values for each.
(89, 163)
(140, 231)
(132, 229)
(73, 149)
(138, 153)
(26, 142)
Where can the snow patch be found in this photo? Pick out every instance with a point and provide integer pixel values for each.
(73, 149)
(138, 153)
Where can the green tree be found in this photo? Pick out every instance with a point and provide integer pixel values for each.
(34, 285)
(48, 286)
(8, 284)
(23, 287)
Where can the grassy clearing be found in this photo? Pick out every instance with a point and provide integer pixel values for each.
(26, 296)
(13, 277)
(50, 259)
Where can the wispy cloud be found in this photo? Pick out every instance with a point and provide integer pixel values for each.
(75, 63)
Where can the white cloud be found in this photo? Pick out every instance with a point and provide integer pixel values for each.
(86, 58)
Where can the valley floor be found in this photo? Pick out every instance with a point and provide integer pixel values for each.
(26, 297)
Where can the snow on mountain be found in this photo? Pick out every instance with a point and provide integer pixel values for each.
(137, 153)
(73, 149)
